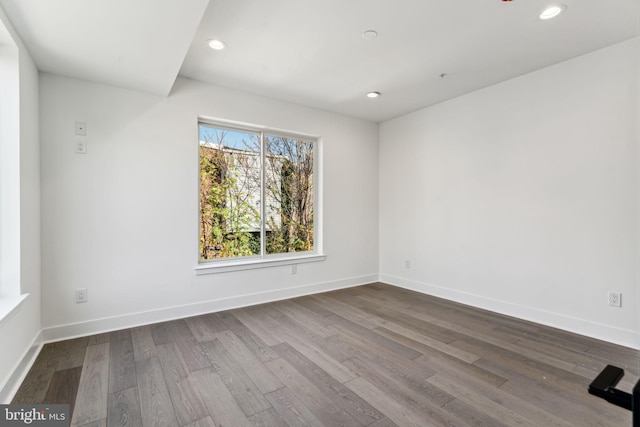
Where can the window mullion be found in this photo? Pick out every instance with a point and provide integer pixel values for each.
(263, 199)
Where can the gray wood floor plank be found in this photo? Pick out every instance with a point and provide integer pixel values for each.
(314, 307)
(464, 372)
(573, 406)
(402, 368)
(406, 319)
(93, 389)
(324, 408)
(72, 353)
(394, 410)
(252, 366)
(187, 402)
(536, 355)
(372, 336)
(304, 317)
(143, 345)
(292, 410)
(191, 350)
(291, 331)
(471, 317)
(160, 333)
(252, 341)
(200, 329)
(541, 336)
(268, 418)
(124, 409)
(35, 385)
(449, 319)
(423, 397)
(343, 397)
(333, 303)
(214, 322)
(499, 396)
(205, 422)
(247, 395)
(384, 422)
(499, 413)
(560, 357)
(102, 338)
(499, 341)
(621, 356)
(507, 361)
(316, 353)
(222, 406)
(156, 407)
(122, 369)
(63, 387)
(422, 343)
(469, 415)
(260, 324)
(99, 423)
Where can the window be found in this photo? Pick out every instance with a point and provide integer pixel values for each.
(258, 195)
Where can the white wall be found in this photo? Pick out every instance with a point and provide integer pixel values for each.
(20, 226)
(121, 220)
(523, 197)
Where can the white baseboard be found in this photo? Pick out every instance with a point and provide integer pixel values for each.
(627, 338)
(95, 326)
(9, 389)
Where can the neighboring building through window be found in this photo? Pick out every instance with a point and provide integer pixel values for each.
(257, 193)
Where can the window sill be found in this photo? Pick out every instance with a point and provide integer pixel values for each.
(8, 304)
(228, 266)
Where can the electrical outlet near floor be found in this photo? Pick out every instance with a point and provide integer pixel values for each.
(81, 295)
(615, 299)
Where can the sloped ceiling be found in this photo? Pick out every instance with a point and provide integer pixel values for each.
(134, 44)
(311, 52)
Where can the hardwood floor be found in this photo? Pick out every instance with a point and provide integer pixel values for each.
(374, 356)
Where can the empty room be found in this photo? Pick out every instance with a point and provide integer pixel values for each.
(320, 213)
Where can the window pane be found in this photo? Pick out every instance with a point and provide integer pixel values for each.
(289, 194)
(230, 223)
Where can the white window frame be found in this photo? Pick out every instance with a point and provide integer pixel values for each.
(265, 260)
(11, 295)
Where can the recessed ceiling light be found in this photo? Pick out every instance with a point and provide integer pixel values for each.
(552, 11)
(373, 94)
(217, 44)
(369, 35)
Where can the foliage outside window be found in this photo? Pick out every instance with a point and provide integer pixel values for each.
(256, 193)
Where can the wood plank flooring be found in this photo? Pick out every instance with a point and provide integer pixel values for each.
(374, 356)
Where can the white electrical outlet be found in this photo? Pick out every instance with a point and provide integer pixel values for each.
(615, 299)
(81, 295)
(407, 264)
(81, 147)
(294, 269)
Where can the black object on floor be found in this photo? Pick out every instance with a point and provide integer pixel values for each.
(604, 387)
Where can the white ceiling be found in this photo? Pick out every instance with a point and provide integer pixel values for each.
(311, 52)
